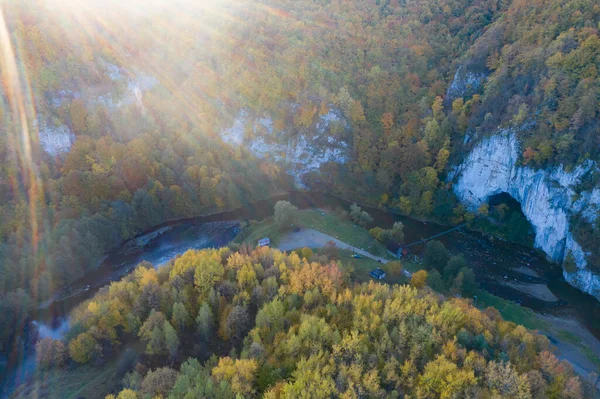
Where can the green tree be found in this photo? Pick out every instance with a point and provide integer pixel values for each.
(205, 321)
(359, 216)
(453, 267)
(194, 381)
(398, 232)
(435, 281)
(286, 214)
(465, 282)
(313, 378)
(154, 320)
(181, 317)
(171, 339)
(436, 255)
(156, 343)
(270, 319)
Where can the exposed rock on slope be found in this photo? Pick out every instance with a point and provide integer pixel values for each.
(465, 83)
(123, 90)
(55, 139)
(299, 154)
(546, 197)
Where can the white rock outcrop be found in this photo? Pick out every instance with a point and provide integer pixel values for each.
(301, 153)
(55, 140)
(59, 139)
(465, 83)
(546, 197)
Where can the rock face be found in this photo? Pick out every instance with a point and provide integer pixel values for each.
(465, 83)
(546, 198)
(301, 153)
(56, 140)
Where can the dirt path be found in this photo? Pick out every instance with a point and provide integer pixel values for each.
(312, 238)
(574, 352)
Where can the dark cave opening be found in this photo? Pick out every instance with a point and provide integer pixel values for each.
(506, 219)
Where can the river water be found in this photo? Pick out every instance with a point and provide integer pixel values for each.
(493, 261)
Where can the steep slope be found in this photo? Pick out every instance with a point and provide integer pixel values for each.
(533, 133)
(300, 152)
(547, 197)
(361, 91)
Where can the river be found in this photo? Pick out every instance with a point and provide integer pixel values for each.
(494, 262)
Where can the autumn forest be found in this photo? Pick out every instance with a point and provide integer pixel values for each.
(113, 116)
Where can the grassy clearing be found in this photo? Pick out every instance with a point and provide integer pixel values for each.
(80, 382)
(324, 221)
(343, 229)
(257, 230)
(411, 267)
(361, 267)
(364, 265)
(511, 311)
(568, 336)
(590, 355)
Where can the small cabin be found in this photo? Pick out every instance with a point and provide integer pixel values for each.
(378, 274)
(263, 242)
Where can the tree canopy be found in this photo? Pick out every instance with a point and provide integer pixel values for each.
(304, 330)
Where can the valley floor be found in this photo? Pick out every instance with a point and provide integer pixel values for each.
(574, 343)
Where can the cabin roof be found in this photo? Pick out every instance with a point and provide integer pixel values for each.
(377, 273)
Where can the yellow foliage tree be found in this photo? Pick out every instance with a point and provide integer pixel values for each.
(82, 348)
(240, 374)
(148, 276)
(419, 279)
(443, 379)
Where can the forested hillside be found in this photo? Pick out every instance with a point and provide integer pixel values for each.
(129, 169)
(544, 60)
(261, 323)
(137, 98)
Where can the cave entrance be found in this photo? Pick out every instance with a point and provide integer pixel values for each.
(506, 218)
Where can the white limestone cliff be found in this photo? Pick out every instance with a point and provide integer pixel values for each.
(56, 140)
(465, 83)
(546, 197)
(301, 153)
